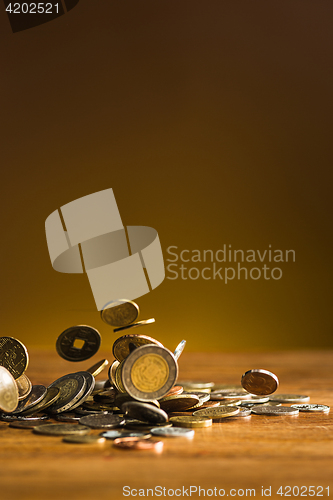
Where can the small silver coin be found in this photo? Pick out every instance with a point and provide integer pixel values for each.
(107, 421)
(311, 408)
(61, 429)
(179, 349)
(118, 434)
(172, 432)
(274, 410)
(289, 398)
(37, 393)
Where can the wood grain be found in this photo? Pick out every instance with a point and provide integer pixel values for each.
(238, 453)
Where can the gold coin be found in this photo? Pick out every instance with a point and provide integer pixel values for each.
(98, 367)
(179, 402)
(24, 386)
(191, 421)
(126, 344)
(8, 391)
(134, 325)
(120, 313)
(84, 439)
(61, 429)
(260, 382)
(13, 356)
(118, 380)
(112, 372)
(220, 412)
(149, 372)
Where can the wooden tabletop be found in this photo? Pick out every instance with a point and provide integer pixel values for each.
(237, 455)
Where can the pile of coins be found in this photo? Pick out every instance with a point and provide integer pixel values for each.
(140, 400)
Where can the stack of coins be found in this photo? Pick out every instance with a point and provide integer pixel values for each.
(140, 400)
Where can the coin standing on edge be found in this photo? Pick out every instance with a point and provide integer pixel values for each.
(24, 386)
(260, 382)
(8, 391)
(71, 387)
(122, 313)
(65, 344)
(179, 349)
(98, 367)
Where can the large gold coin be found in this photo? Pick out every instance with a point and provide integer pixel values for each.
(191, 421)
(149, 372)
(127, 343)
(120, 313)
(13, 356)
(8, 391)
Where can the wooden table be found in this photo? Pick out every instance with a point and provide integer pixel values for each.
(236, 455)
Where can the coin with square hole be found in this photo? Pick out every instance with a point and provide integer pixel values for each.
(78, 343)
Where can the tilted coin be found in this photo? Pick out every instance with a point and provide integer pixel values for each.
(179, 402)
(8, 391)
(107, 396)
(90, 384)
(118, 380)
(149, 372)
(126, 344)
(65, 344)
(191, 421)
(176, 389)
(68, 417)
(38, 392)
(144, 412)
(289, 398)
(107, 421)
(173, 432)
(85, 439)
(120, 313)
(61, 429)
(24, 386)
(98, 367)
(274, 410)
(260, 382)
(133, 325)
(138, 444)
(112, 371)
(203, 397)
(311, 407)
(118, 434)
(220, 412)
(195, 385)
(52, 394)
(13, 356)
(179, 349)
(71, 387)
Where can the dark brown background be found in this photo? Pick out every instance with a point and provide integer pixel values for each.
(212, 122)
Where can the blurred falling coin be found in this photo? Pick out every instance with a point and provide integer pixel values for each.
(98, 367)
(260, 382)
(179, 349)
(120, 313)
(65, 344)
(8, 391)
(289, 398)
(132, 443)
(134, 325)
(13, 356)
(61, 429)
(84, 439)
(24, 386)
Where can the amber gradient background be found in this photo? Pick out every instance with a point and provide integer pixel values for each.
(212, 122)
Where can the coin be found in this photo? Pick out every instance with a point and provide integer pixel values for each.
(118, 434)
(68, 417)
(52, 394)
(228, 387)
(195, 385)
(133, 325)
(13, 356)
(149, 372)
(23, 424)
(38, 392)
(243, 412)
(142, 426)
(179, 349)
(107, 396)
(8, 391)
(84, 439)
(24, 386)
(138, 444)
(98, 367)
(71, 387)
(274, 410)
(176, 389)
(144, 412)
(61, 429)
(121, 313)
(220, 412)
(124, 345)
(191, 421)
(179, 402)
(311, 408)
(65, 344)
(250, 404)
(107, 421)
(221, 395)
(203, 397)
(83, 411)
(36, 417)
(173, 432)
(90, 384)
(210, 404)
(260, 382)
(289, 398)
(118, 379)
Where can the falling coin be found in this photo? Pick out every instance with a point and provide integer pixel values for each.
(260, 382)
(121, 313)
(98, 367)
(65, 344)
(134, 325)
(124, 345)
(179, 349)
(13, 356)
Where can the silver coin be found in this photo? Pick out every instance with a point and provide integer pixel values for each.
(118, 434)
(68, 417)
(8, 391)
(37, 394)
(274, 410)
(257, 399)
(250, 404)
(179, 349)
(33, 418)
(134, 325)
(90, 384)
(243, 412)
(312, 408)
(107, 421)
(172, 432)
(289, 398)
(72, 388)
(195, 385)
(61, 429)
